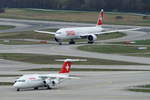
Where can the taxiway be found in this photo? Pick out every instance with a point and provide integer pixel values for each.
(92, 85)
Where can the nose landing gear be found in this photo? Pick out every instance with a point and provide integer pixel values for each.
(58, 41)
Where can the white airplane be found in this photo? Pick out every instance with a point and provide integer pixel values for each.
(82, 32)
(45, 80)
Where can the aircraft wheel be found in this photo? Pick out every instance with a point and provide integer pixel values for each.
(18, 89)
(72, 42)
(36, 88)
(48, 87)
(60, 43)
(90, 42)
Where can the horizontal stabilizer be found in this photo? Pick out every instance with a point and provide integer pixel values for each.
(71, 60)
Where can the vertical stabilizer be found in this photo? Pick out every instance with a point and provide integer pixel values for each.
(65, 67)
(100, 18)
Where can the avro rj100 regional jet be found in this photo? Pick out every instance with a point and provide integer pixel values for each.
(45, 80)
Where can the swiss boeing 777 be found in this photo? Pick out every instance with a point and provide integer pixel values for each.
(82, 32)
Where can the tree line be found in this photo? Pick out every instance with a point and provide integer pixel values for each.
(90, 5)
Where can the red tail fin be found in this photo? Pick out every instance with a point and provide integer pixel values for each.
(65, 67)
(100, 18)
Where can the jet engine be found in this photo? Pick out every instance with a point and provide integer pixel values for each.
(92, 38)
(50, 83)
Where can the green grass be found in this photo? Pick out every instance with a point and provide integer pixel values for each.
(6, 83)
(4, 27)
(118, 49)
(82, 69)
(142, 42)
(140, 55)
(137, 42)
(9, 75)
(26, 35)
(145, 86)
(50, 59)
(111, 35)
(74, 16)
(141, 88)
(18, 42)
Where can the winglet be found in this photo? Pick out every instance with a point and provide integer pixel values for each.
(100, 18)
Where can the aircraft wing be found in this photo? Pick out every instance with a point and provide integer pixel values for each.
(53, 33)
(111, 31)
(65, 77)
(123, 30)
(57, 76)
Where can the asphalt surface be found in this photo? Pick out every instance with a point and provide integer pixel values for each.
(68, 50)
(92, 85)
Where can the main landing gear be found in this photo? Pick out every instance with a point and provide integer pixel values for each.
(71, 41)
(36, 88)
(18, 89)
(90, 42)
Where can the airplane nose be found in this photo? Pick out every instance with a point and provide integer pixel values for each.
(16, 85)
(57, 36)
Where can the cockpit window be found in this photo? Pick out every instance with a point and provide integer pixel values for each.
(58, 32)
(20, 80)
(53, 78)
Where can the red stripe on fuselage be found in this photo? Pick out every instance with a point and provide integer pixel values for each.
(32, 78)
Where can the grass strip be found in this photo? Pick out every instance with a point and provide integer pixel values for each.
(51, 59)
(141, 88)
(75, 16)
(4, 27)
(6, 83)
(136, 42)
(26, 35)
(118, 49)
(9, 75)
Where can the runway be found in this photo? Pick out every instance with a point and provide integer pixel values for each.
(92, 85)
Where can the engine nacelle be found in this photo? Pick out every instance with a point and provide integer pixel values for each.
(92, 38)
(51, 82)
